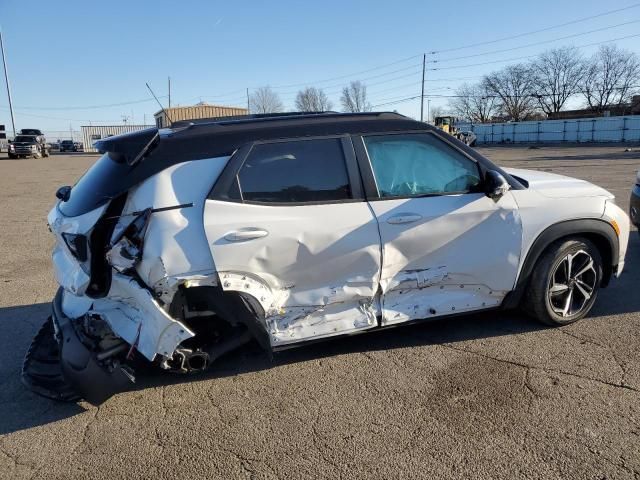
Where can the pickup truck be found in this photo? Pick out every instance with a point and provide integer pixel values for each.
(28, 146)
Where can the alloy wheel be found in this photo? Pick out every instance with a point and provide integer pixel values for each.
(572, 284)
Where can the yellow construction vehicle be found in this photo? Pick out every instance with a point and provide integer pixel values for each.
(446, 124)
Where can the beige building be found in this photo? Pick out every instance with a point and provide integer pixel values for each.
(200, 110)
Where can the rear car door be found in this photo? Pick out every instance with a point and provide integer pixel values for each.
(447, 247)
(287, 224)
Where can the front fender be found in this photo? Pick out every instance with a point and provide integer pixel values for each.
(597, 230)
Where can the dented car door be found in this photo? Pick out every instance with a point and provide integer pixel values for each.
(447, 247)
(288, 225)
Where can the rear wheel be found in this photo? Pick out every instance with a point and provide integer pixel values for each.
(565, 282)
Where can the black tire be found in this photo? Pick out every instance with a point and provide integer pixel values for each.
(12, 156)
(547, 299)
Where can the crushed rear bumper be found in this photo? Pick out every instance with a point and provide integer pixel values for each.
(60, 366)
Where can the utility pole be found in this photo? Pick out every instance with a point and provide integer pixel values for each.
(6, 78)
(248, 108)
(424, 64)
(428, 110)
(169, 78)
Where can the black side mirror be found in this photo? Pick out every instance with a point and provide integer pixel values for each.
(63, 193)
(496, 185)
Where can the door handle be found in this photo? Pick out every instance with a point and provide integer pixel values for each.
(401, 218)
(244, 235)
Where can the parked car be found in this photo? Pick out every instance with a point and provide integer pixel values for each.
(634, 210)
(68, 146)
(24, 146)
(179, 245)
(467, 137)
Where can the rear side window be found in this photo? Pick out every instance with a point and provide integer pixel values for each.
(419, 165)
(295, 172)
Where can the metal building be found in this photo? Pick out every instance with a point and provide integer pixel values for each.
(92, 133)
(201, 110)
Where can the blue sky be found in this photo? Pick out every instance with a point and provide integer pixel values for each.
(65, 56)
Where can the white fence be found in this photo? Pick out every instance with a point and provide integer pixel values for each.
(601, 129)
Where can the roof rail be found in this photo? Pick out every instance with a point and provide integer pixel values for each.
(265, 117)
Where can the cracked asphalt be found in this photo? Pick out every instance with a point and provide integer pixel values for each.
(480, 396)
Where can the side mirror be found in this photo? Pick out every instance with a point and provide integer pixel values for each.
(496, 185)
(63, 193)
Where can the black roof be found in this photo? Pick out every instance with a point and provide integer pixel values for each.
(207, 138)
(210, 138)
(248, 117)
(139, 155)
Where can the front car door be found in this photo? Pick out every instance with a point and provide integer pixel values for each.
(287, 223)
(447, 247)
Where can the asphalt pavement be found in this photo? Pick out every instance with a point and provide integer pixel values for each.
(494, 396)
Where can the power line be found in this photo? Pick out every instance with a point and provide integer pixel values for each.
(529, 95)
(533, 32)
(535, 43)
(59, 118)
(379, 67)
(93, 107)
(351, 75)
(530, 56)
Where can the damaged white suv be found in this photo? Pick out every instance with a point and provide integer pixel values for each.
(179, 245)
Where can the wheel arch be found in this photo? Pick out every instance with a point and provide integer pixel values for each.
(233, 307)
(598, 231)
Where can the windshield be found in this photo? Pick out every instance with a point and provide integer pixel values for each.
(104, 180)
(66, 142)
(25, 138)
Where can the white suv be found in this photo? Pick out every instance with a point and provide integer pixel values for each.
(182, 244)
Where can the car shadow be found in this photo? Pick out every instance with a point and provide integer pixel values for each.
(23, 409)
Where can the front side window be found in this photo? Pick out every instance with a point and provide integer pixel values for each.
(295, 172)
(419, 164)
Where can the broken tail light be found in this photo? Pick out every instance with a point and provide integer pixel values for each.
(77, 245)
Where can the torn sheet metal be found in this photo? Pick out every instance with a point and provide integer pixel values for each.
(403, 304)
(175, 248)
(124, 255)
(293, 324)
(313, 262)
(135, 316)
(69, 272)
(74, 306)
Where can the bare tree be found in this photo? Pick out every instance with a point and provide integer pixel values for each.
(265, 100)
(474, 102)
(557, 75)
(513, 86)
(435, 111)
(312, 99)
(611, 75)
(354, 98)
